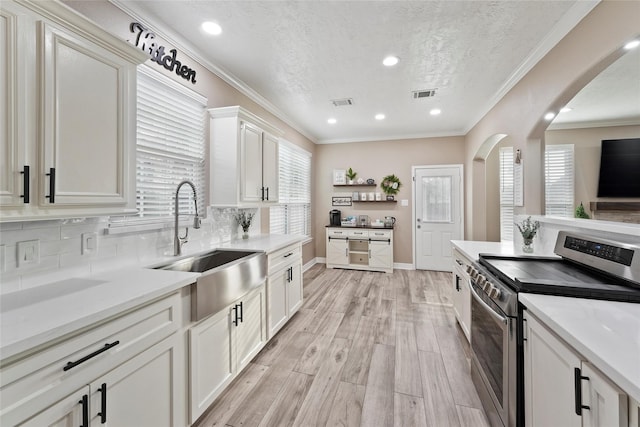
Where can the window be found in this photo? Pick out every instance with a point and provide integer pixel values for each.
(170, 145)
(558, 180)
(506, 194)
(293, 213)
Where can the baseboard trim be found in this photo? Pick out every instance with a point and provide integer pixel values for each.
(313, 262)
(403, 266)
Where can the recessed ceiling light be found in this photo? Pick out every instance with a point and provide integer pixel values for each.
(212, 28)
(632, 44)
(435, 112)
(549, 116)
(390, 61)
(380, 116)
(332, 121)
(565, 109)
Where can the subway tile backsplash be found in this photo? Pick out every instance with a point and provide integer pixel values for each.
(61, 246)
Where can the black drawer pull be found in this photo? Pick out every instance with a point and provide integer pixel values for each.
(25, 183)
(267, 193)
(241, 312)
(288, 255)
(52, 185)
(106, 347)
(577, 382)
(262, 194)
(85, 410)
(103, 402)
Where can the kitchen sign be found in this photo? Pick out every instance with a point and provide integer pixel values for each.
(145, 40)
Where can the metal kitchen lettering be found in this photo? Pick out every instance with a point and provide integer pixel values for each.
(145, 40)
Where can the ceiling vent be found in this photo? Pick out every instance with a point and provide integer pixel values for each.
(425, 93)
(342, 102)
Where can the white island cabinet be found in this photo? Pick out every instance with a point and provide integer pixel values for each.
(284, 286)
(462, 291)
(243, 159)
(563, 389)
(64, 153)
(128, 370)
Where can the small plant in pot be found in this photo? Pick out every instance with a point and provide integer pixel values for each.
(351, 175)
(528, 230)
(244, 220)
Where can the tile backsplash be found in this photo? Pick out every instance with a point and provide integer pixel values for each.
(60, 246)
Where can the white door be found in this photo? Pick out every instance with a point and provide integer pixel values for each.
(437, 205)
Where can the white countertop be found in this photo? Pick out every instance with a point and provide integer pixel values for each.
(605, 333)
(471, 249)
(32, 317)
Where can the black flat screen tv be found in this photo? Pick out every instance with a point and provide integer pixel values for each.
(619, 168)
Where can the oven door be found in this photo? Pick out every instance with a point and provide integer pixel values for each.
(490, 336)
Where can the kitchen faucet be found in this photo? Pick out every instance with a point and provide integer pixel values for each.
(177, 240)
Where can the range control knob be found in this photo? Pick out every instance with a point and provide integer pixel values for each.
(469, 269)
(495, 293)
(487, 287)
(481, 280)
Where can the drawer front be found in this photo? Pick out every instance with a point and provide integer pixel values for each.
(284, 257)
(41, 378)
(358, 234)
(380, 234)
(336, 232)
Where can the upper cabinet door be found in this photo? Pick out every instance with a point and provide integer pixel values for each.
(251, 163)
(17, 59)
(86, 106)
(270, 167)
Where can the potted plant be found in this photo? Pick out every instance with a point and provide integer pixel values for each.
(390, 185)
(528, 230)
(351, 175)
(244, 220)
(581, 213)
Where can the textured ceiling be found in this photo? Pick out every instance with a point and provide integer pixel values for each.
(299, 55)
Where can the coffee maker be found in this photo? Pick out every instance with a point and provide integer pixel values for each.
(334, 217)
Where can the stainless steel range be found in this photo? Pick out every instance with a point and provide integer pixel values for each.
(589, 267)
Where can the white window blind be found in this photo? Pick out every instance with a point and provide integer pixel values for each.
(559, 180)
(293, 213)
(170, 145)
(506, 194)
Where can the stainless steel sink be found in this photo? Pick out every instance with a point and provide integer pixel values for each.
(227, 275)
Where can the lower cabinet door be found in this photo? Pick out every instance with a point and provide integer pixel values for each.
(277, 299)
(380, 254)
(73, 410)
(294, 300)
(337, 251)
(146, 391)
(608, 404)
(251, 332)
(211, 360)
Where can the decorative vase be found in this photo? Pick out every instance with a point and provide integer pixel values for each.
(245, 234)
(527, 246)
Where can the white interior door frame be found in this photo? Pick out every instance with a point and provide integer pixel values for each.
(460, 167)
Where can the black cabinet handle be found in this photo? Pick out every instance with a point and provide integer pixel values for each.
(25, 183)
(85, 410)
(235, 315)
(52, 185)
(288, 255)
(267, 193)
(106, 347)
(262, 194)
(577, 382)
(457, 283)
(103, 402)
(241, 312)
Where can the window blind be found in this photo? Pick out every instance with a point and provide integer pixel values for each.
(292, 215)
(506, 194)
(170, 145)
(559, 180)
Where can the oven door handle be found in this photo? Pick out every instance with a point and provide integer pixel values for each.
(493, 314)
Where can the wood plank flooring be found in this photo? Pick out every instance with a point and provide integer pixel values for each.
(366, 349)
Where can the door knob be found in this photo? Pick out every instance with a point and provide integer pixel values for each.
(418, 226)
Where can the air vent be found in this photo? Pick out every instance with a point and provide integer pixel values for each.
(342, 102)
(425, 93)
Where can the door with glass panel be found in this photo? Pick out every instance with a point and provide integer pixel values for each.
(437, 215)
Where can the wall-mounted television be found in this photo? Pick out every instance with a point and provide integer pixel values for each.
(619, 168)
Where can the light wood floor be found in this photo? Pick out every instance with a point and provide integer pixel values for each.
(366, 349)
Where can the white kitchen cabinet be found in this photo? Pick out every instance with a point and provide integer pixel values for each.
(138, 358)
(79, 149)
(284, 286)
(222, 345)
(461, 292)
(563, 389)
(360, 249)
(243, 158)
